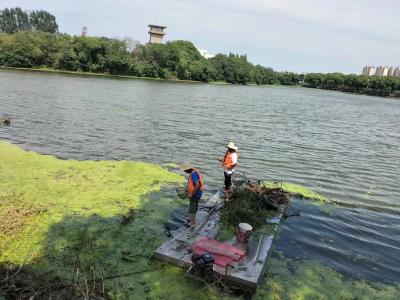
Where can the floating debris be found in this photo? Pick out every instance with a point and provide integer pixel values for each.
(5, 121)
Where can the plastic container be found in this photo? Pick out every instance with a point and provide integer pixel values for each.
(243, 232)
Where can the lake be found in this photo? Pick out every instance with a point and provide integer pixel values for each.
(344, 146)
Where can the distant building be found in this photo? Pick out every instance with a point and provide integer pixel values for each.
(379, 71)
(156, 33)
(205, 53)
(382, 71)
(390, 72)
(396, 72)
(369, 71)
(365, 70)
(84, 31)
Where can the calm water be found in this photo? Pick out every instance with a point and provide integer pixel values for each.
(343, 146)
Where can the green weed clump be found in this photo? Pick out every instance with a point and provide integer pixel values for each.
(246, 206)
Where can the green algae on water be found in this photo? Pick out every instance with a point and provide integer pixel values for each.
(293, 279)
(296, 190)
(92, 220)
(87, 219)
(67, 187)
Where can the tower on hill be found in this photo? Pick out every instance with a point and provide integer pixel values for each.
(156, 33)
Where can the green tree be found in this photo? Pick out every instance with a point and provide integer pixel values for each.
(41, 20)
(13, 20)
(289, 78)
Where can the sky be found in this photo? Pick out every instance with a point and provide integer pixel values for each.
(293, 35)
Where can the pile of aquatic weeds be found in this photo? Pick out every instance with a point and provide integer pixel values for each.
(252, 203)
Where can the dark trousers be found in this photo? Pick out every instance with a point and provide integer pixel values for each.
(228, 181)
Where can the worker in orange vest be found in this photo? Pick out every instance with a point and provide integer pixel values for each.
(229, 162)
(195, 187)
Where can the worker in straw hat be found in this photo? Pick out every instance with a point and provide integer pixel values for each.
(195, 187)
(229, 162)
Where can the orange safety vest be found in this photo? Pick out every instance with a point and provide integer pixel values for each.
(228, 162)
(191, 185)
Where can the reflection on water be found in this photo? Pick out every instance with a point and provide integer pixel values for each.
(343, 146)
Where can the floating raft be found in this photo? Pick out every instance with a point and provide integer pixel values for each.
(246, 272)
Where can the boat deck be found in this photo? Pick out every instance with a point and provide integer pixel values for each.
(245, 273)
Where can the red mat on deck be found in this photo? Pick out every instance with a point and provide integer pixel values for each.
(223, 253)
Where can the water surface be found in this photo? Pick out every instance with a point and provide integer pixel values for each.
(343, 146)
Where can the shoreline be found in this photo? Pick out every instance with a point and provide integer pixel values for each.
(91, 74)
(352, 93)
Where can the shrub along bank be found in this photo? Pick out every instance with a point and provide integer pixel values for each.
(371, 85)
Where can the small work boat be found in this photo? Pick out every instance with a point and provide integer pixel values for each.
(238, 262)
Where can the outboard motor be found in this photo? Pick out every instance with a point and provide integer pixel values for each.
(203, 266)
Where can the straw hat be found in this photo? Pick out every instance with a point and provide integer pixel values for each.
(231, 145)
(186, 166)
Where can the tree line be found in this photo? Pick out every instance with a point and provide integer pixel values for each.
(31, 40)
(372, 85)
(173, 60)
(13, 20)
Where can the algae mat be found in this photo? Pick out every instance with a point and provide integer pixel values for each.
(77, 220)
(70, 219)
(303, 279)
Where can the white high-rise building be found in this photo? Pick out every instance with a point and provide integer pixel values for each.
(396, 72)
(369, 70)
(390, 71)
(384, 71)
(379, 71)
